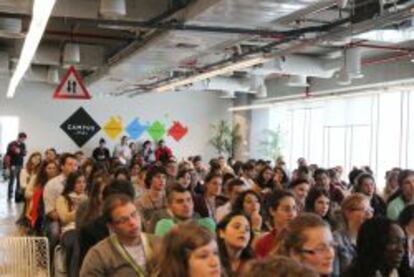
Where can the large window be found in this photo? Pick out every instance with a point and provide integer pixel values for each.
(9, 127)
(374, 129)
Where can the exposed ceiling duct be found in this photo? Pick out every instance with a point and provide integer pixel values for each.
(353, 61)
(216, 39)
(228, 86)
(11, 27)
(52, 75)
(343, 78)
(228, 94)
(47, 54)
(300, 65)
(4, 63)
(228, 83)
(37, 73)
(298, 81)
(113, 8)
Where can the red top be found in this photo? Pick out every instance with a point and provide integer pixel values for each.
(265, 244)
(163, 154)
(37, 196)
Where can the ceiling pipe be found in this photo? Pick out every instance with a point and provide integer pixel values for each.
(77, 35)
(387, 59)
(382, 47)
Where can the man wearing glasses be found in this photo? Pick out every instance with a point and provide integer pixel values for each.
(127, 251)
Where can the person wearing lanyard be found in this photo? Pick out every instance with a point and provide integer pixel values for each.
(127, 251)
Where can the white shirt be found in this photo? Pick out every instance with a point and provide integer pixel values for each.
(123, 152)
(27, 181)
(52, 191)
(248, 182)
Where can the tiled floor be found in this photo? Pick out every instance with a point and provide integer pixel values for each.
(9, 212)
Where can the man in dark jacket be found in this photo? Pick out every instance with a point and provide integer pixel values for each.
(16, 150)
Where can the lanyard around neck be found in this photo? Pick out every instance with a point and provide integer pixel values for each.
(137, 268)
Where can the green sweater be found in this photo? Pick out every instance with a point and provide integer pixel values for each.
(395, 208)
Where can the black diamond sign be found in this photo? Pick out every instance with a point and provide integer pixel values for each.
(80, 127)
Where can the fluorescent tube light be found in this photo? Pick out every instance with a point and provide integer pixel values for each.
(388, 36)
(250, 107)
(42, 10)
(215, 72)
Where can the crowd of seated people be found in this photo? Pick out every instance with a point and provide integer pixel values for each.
(136, 215)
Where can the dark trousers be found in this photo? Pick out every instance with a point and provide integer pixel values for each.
(53, 235)
(14, 175)
(69, 240)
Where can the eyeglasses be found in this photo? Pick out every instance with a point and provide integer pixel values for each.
(320, 249)
(365, 210)
(125, 219)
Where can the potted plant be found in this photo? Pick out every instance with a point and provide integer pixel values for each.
(225, 138)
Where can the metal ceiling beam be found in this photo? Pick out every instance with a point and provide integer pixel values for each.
(336, 33)
(193, 9)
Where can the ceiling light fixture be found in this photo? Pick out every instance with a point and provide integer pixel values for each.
(212, 73)
(42, 10)
(71, 53)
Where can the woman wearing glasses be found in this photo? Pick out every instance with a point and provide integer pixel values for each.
(356, 209)
(308, 239)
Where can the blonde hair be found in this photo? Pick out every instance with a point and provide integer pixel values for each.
(30, 167)
(351, 201)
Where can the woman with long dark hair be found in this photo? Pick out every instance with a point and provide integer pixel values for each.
(281, 207)
(66, 206)
(365, 183)
(36, 211)
(318, 202)
(249, 202)
(234, 237)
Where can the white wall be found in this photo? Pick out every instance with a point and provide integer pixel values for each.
(41, 116)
